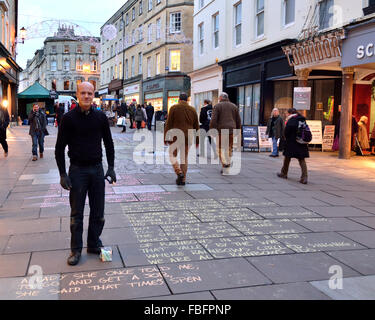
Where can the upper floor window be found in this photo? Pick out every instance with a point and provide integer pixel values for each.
(53, 65)
(66, 49)
(175, 22)
(149, 33)
(175, 60)
(201, 4)
(149, 5)
(79, 48)
(133, 14)
(53, 49)
(79, 65)
(215, 24)
(158, 29)
(238, 23)
(201, 38)
(158, 2)
(260, 18)
(325, 14)
(94, 65)
(127, 19)
(93, 49)
(140, 7)
(289, 11)
(66, 65)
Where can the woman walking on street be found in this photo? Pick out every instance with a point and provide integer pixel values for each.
(139, 116)
(275, 130)
(294, 149)
(4, 123)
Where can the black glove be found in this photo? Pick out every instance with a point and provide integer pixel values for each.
(65, 182)
(111, 175)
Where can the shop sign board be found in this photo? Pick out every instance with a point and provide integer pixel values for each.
(328, 138)
(302, 98)
(359, 47)
(316, 131)
(131, 89)
(250, 138)
(265, 143)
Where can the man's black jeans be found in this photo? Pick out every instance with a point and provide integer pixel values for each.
(86, 180)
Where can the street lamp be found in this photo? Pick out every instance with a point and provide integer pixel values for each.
(23, 34)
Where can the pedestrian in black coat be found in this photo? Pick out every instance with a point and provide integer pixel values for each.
(150, 114)
(293, 149)
(4, 123)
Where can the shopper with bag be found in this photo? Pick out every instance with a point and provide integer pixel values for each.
(139, 116)
(275, 129)
(294, 146)
(38, 126)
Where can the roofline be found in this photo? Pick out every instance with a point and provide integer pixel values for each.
(119, 13)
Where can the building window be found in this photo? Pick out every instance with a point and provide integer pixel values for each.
(175, 60)
(126, 69)
(238, 23)
(111, 51)
(175, 22)
(133, 66)
(149, 5)
(133, 14)
(158, 2)
(289, 11)
(140, 7)
(325, 14)
(53, 65)
(149, 67)
(93, 82)
(157, 63)
(94, 65)
(107, 74)
(66, 49)
(201, 4)
(140, 30)
(112, 73)
(121, 25)
(216, 31)
(66, 85)
(158, 29)
(140, 58)
(133, 38)
(66, 65)
(53, 49)
(93, 49)
(149, 33)
(201, 38)
(53, 85)
(127, 19)
(79, 65)
(79, 48)
(260, 18)
(120, 70)
(116, 72)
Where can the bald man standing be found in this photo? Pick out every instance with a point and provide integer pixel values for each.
(82, 130)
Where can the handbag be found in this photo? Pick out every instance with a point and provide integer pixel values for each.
(120, 121)
(143, 125)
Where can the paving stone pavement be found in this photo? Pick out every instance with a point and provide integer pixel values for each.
(245, 237)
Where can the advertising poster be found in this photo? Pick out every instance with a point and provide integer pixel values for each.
(250, 138)
(328, 138)
(265, 144)
(316, 131)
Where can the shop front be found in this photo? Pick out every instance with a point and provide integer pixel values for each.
(249, 80)
(132, 93)
(207, 84)
(359, 62)
(164, 92)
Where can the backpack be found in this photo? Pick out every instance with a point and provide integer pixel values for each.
(304, 135)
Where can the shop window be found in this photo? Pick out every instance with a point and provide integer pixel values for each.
(249, 104)
(175, 60)
(323, 106)
(283, 97)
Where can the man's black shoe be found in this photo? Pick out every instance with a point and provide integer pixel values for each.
(74, 258)
(94, 250)
(280, 175)
(180, 180)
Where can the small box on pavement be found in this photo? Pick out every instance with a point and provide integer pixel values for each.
(106, 254)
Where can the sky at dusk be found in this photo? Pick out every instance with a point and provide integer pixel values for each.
(41, 18)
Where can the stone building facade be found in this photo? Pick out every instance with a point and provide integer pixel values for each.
(156, 51)
(65, 61)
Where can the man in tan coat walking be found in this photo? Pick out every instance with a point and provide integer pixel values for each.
(181, 124)
(225, 119)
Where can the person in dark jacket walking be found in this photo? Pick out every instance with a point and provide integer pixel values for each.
(4, 123)
(139, 116)
(38, 125)
(275, 130)
(122, 111)
(131, 111)
(205, 120)
(59, 113)
(83, 130)
(293, 149)
(150, 114)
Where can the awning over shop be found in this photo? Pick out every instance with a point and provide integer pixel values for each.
(36, 91)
